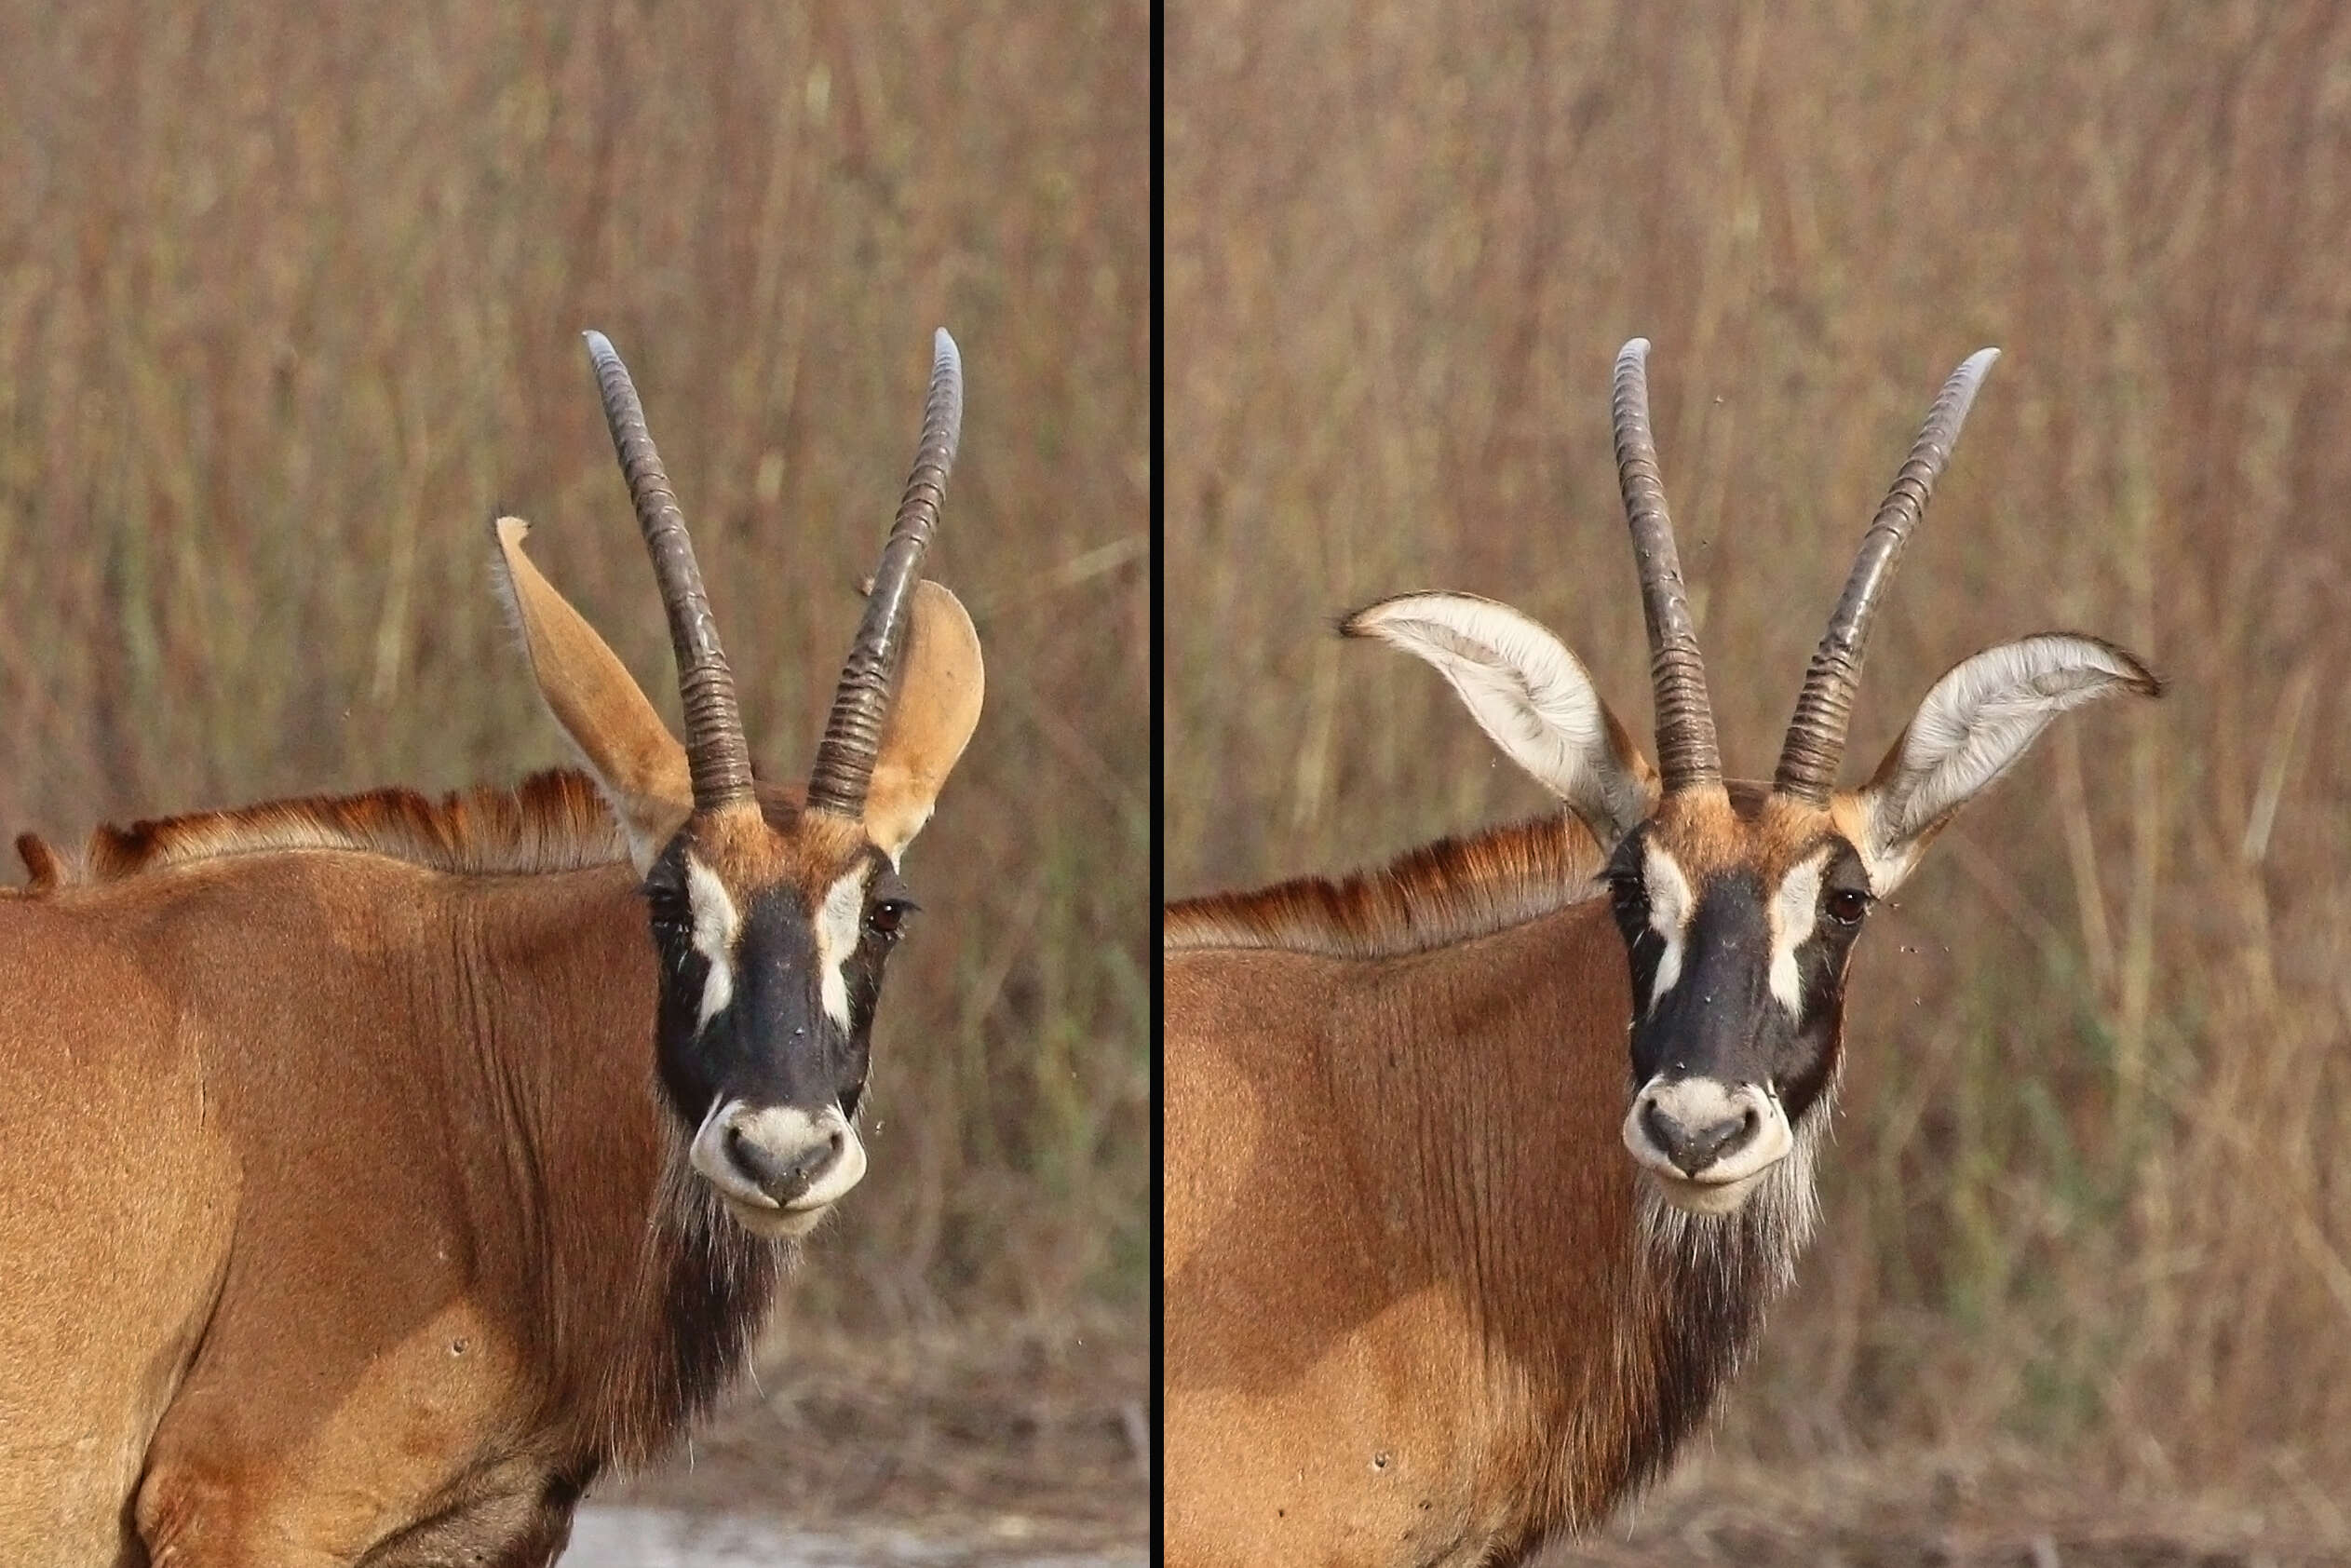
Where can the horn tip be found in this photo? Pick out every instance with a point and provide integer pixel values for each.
(947, 361)
(600, 347)
(1635, 348)
(510, 530)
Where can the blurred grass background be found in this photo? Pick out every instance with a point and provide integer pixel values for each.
(291, 298)
(2089, 1198)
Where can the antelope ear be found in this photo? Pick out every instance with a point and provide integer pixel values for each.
(634, 757)
(1976, 722)
(937, 706)
(1531, 696)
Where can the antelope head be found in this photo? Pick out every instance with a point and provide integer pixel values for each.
(774, 912)
(1739, 904)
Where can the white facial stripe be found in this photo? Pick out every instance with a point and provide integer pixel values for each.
(1670, 906)
(837, 921)
(1795, 909)
(715, 925)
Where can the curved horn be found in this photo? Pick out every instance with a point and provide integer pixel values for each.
(1686, 750)
(853, 731)
(1815, 747)
(717, 757)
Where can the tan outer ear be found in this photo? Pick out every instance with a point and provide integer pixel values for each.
(640, 764)
(936, 708)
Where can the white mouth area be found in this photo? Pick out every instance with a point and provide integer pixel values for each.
(1726, 1184)
(1703, 1198)
(784, 1133)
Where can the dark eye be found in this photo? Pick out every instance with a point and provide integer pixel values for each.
(889, 917)
(1847, 905)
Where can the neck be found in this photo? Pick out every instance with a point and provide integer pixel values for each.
(645, 1295)
(1620, 1317)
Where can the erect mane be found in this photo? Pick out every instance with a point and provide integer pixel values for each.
(1443, 892)
(552, 821)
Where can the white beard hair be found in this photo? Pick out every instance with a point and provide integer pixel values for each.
(1780, 1219)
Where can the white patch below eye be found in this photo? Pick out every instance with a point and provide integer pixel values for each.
(837, 921)
(1794, 911)
(1670, 906)
(715, 926)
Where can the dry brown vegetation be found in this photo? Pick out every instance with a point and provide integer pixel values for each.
(291, 298)
(2091, 1192)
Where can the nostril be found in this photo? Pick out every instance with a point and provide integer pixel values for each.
(748, 1157)
(1664, 1132)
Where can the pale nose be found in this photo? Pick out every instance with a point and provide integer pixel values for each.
(1695, 1147)
(785, 1175)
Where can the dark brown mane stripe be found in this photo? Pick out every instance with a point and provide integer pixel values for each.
(1442, 892)
(552, 821)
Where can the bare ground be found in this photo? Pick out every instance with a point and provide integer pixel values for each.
(1944, 1510)
(986, 1445)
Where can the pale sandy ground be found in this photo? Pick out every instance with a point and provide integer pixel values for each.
(986, 1448)
(1943, 1510)
(644, 1538)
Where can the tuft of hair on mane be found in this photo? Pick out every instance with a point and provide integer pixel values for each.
(1443, 892)
(552, 821)
(44, 866)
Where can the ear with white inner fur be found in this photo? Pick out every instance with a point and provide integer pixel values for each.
(634, 757)
(1531, 696)
(1976, 722)
(941, 681)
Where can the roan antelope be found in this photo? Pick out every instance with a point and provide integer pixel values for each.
(1420, 1307)
(374, 1173)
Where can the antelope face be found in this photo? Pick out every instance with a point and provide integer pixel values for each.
(774, 936)
(1739, 904)
(1740, 915)
(773, 916)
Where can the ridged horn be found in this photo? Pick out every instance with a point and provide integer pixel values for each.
(1687, 754)
(853, 731)
(718, 758)
(1815, 748)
